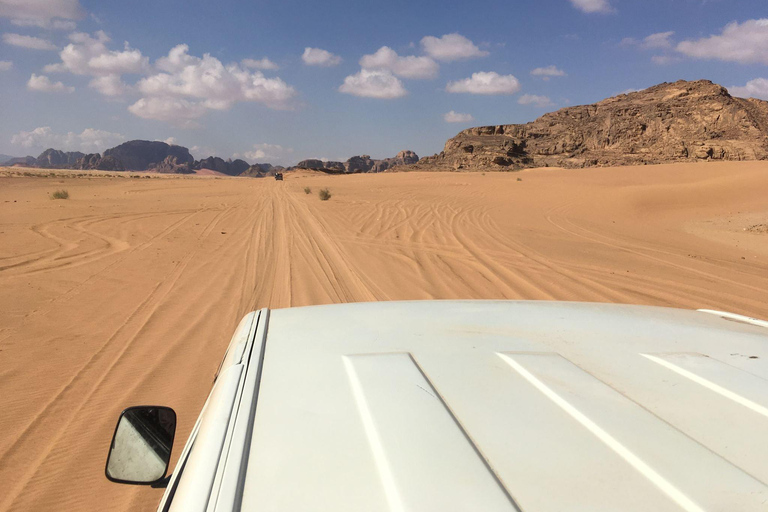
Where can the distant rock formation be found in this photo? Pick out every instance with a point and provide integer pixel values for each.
(55, 158)
(670, 122)
(22, 161)
(260, 171)
(94, 161)
(171, 165)
(360, 163)
(214, 163)
(322, 165)
(138, 155)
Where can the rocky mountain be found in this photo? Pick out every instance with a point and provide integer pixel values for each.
(261, 171)
(361, 163)
(138, 155)
(214, 163)
(55, 158)
(329, 166)
(94, 161)
(26, 161)
(5, 158)
(670, 122)
(171, 165)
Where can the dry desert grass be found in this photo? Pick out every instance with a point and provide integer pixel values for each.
(127, 293)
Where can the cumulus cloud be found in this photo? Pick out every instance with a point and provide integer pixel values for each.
(455, 117)
(41, 13)
(320, 57)
(42, 83)
(89, 55)
(264, 63)
(192, 85)
(33, 43)
(109, 85)
(89, 140)
(451, 47)
(174, 110)
(272, 153)
(746, 43)
(548, 72)
(658, 40)
(411, 66)
(535, 100)
(485, 82)
(590, 6)
(373, 83)
(171, 141)
(757, 88)
(5, 65)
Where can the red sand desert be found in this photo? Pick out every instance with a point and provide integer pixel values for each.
(127, 292)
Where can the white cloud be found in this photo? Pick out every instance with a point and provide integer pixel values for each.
(171, 141)
(43, 84)
(48, 24)
(87, 55)
(89, 140)
(39, 12)
(757, 88)
(33, 43)
(407, 67)
(629, 91)
(535, 100)
(109, 85)
(485, 82)
(269, 153)
(174, 110)
(658, 40)
(746, 43)
(455, 117)
(5, 65)
(264, 63)
(373, 83)
(451, 47)
(548, 72)
(590, 6)
(193, 85)
(319, 57)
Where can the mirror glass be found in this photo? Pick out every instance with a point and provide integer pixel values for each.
(141, 446)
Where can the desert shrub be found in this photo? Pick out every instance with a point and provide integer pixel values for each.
(307, 190)
(519, 179)
(60, 194)
(324, 194)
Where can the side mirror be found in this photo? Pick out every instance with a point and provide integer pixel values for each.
(141, 446)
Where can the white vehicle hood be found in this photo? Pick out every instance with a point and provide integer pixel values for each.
(503, 406)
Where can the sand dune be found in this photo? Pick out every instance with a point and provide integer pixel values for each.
(127, 292)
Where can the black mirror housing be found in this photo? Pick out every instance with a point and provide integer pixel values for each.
(140, 451)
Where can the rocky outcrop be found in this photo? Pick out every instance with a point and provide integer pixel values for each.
(138, 155)
(229, 167)
(22, 161)
(57, 159)
(261, 171)
(322, 165)
(670, 122)
(360, 163)
(95, 161)
(171, 165)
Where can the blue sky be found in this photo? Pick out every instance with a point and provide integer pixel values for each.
(280, 81)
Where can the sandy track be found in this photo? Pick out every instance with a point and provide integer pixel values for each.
(128, 292)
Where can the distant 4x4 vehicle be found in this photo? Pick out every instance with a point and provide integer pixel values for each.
(279, 176)
(470, 406)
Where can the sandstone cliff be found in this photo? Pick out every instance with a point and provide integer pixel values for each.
(360, 163)
(138, 155)
(670, 122)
